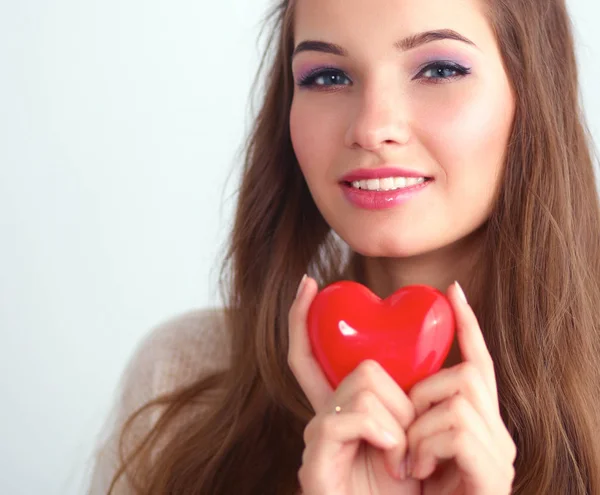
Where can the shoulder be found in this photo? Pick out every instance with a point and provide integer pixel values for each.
(177, 352)
(173, 354)
(195, 341)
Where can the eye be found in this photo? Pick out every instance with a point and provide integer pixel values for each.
(442, 71)
(435, 73)
(328, 78)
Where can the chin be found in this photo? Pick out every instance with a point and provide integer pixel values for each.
(407, 245)
(391, 247)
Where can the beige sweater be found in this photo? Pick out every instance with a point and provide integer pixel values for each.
(173, 354)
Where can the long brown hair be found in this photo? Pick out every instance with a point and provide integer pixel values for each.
(540, 314)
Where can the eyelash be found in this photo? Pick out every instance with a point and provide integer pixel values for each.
(309, 80)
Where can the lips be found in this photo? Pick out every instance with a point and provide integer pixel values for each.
(381, 200)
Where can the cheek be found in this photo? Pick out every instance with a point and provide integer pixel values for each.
(470, 132)
(314, 132)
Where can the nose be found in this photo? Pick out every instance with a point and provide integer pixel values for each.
(380, 119)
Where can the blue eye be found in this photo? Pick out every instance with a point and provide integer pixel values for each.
(434, 73)
(323, 78)
(442, 71)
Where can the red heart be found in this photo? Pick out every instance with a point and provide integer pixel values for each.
(408, 333)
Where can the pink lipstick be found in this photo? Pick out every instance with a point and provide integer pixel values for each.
(400, 185)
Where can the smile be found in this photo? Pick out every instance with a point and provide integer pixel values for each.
(382, 194)
(387, 184)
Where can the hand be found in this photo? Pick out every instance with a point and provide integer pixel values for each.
(459, 444)
(360, 450)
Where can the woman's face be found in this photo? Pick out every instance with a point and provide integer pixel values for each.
(436, 112)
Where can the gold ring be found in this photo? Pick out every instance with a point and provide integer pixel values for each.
(338, 409)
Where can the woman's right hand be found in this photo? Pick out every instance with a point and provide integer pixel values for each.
(360, 450)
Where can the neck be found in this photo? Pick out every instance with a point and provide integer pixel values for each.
(439, 269)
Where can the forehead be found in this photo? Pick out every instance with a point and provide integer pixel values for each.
(351, 23)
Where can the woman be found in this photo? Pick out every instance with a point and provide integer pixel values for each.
(399, 142)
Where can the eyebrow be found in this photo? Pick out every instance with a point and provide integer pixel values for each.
(403, 45)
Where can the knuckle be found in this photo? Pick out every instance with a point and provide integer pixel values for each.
(407, 414)
(311, 430)
(307, 434)
(415, 393)
(327, 426)
(461, 442)
(368, 371)
(417, 398)
(468, 373)
(457, 406)
(365, 401)
(370, 425)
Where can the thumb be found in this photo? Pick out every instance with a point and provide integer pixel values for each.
(301, 360)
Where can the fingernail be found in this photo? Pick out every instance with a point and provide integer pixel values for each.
(461, 292)
(301, 286)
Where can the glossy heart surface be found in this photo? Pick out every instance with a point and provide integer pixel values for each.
(409, 333)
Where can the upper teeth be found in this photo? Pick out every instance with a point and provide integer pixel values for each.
(387, 184)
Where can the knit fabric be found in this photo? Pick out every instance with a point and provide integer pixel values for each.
(173, 354)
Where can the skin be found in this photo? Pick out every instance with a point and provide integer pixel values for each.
(382, 106)
(377, 111)
(446, 436)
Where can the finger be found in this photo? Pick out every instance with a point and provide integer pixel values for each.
(370, 375)
(462, 379)
(470, 338)
(456, 413)
(366, 401)
(329, 433)
(304, 366)
(479, 468)
(370, 383)
(335, 440)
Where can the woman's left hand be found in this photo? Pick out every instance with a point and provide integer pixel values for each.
(459, 444)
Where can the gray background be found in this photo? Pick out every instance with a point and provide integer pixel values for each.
(120, 123)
